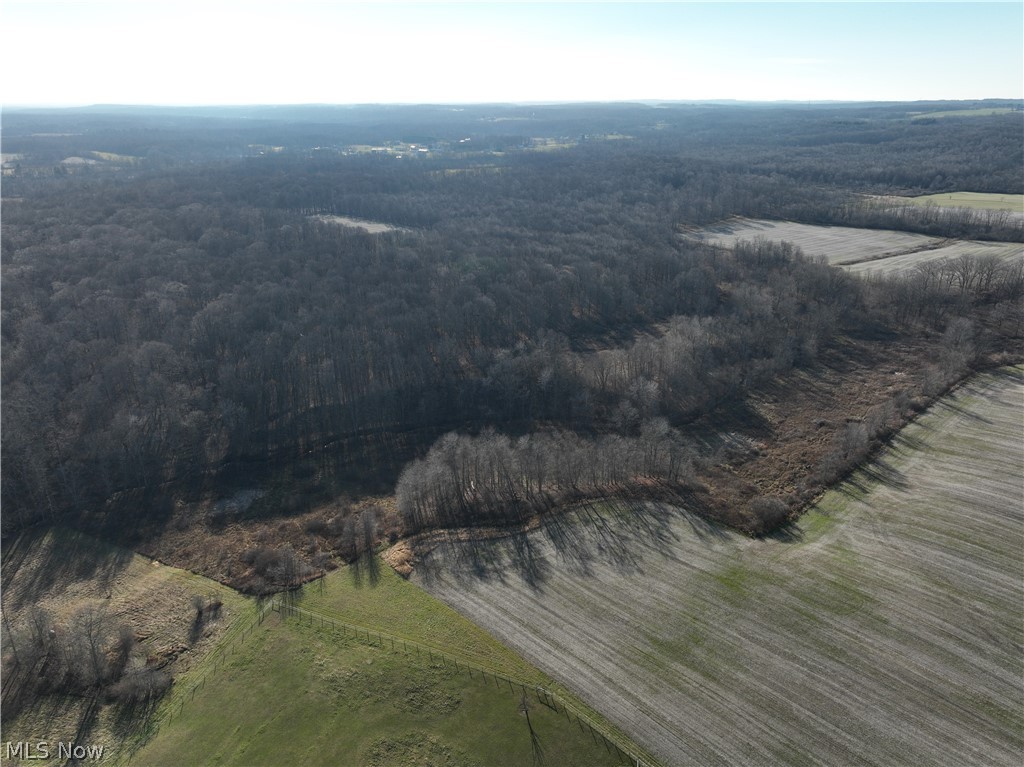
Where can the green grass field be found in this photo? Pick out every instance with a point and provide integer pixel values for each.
(380, 599)
(980, 200)
(295, 693)
(283, 691)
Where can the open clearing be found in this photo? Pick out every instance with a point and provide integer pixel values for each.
(371, 227)
(124, 159)
(838, 244)
(64, 571)
(979, 200)
(886, 629)
(295, 692)
(857, 249)
(956, 203)
(251, 693)
(904, 263)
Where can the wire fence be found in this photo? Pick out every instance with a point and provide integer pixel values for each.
(230, 644)
(242, 629)
(612, 742)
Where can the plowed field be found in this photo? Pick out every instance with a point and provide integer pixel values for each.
(859, 250)
(886, 629)
(838, 244)
(904, 263)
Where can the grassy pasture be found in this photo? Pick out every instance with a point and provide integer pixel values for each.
(373, 595)
(954, 203)
(296, 693)
(886, 628)
(285, 691)
(979, 200)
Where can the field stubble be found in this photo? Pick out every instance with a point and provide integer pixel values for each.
(885, 628)
(857, 250)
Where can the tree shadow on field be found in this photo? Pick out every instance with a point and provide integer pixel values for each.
(1011, 374)
(905, 441)
(592, 537)
(366, 565)
(791, 532)
(130, 718)
(878, 471)
(39, 560)
(950, 404)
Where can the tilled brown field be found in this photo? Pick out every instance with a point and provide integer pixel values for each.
(886, 629)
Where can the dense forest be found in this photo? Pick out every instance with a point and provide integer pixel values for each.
(183, 314)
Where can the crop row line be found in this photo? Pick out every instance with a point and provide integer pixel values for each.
(544, 696)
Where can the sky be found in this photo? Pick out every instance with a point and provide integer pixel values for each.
(187, 52)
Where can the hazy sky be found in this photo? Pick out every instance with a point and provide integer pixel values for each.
(305, 51)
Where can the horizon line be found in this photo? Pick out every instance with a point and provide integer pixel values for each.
(528, 102)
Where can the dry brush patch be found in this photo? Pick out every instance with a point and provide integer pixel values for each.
(271, 552)
(136, 622)
(884, 629)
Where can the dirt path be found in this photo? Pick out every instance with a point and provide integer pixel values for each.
(886, 630)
